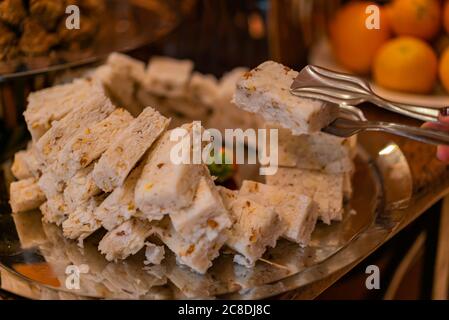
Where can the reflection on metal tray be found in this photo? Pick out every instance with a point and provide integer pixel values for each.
(34, 257)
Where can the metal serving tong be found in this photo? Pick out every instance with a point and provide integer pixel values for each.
(347, 90)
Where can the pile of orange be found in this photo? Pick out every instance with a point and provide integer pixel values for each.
(404, 44)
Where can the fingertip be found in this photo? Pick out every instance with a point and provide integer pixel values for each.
(443, 153)
(444, 118)
(441, 126)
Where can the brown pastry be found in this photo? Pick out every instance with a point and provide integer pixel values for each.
(35, 39)
(72, 2)
(8, 41)
(94, 6)
(7, 37)
(12, 11)
(47, 12)
(8, 53)
(88, 28)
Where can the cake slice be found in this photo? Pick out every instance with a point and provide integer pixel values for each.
(297, 211)
(128, 148)
(226, 114)
(326, 189)
(207, 216)
(91, 109)
(228, 196)
(119, 86)
(186, 109)
(81, 222)
(90, 143)
(127, 65)
(203, 88)
(52, 104)
(265, 90)
(25, 195)
(287, 145)
(19, 166)
(119, 206)
(54, 210)
(164, 186)
(228, 83)
(126, 239)
(198, 255)
(167, 76)
(255, 229)
(317, 151)
(34, 166)
(50, 185)
(80, 188)
(122, 76)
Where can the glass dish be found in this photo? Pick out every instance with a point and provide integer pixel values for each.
(126, 25)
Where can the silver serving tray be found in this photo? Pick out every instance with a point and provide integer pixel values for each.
(34, 256)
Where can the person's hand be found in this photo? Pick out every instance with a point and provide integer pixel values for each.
(442, 151)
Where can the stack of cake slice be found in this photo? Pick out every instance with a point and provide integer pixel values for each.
(311, 163)
(93, 166)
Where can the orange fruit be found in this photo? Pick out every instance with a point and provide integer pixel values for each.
(446, 16)
(406, 64)
(416, 18)
(444, 69)
(354, 45)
